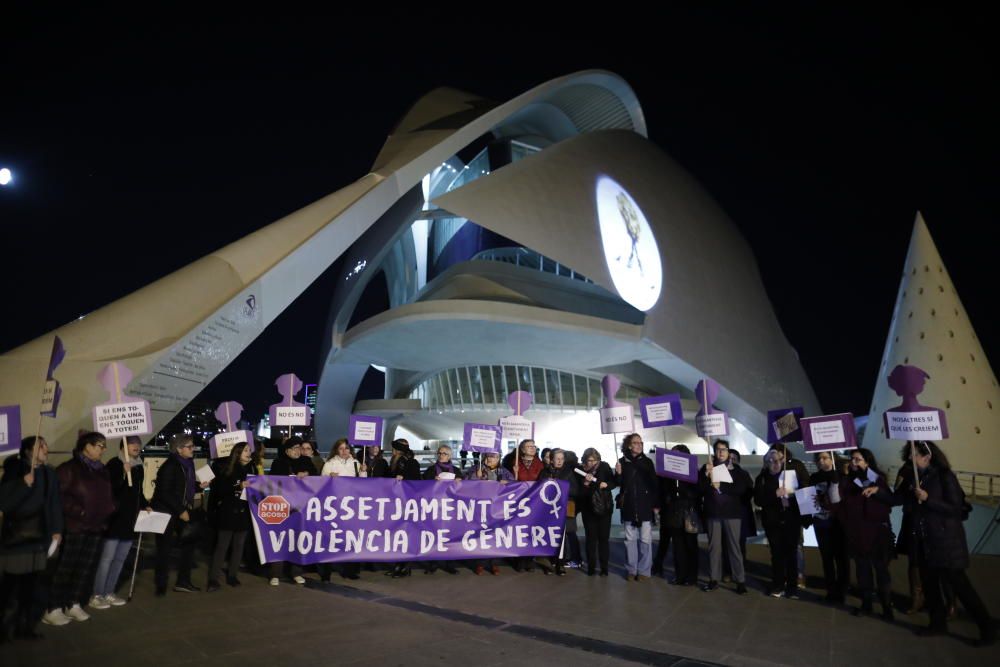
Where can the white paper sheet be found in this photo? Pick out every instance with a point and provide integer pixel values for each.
(807, 500)
(151, 522)
(720, 474)
(205, 474)
(789, 480)
(53, 546)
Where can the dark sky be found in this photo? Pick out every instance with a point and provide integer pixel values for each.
(147, 142)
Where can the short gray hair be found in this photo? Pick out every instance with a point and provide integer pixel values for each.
(179, 440)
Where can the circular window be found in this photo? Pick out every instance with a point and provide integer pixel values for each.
(630, 249)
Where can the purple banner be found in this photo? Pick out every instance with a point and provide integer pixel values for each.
(10, 428)
(337, 519)
(365, 431)
(482, 438)
(676, 465)
(784, 425)
(661, 410)
(829, 433)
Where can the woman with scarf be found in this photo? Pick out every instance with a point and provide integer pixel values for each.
(489, 471)
(558, 469)
(403, 467)
(129, 501)
(829, 531)
(442, 470)
(230, 512)
(176, 486)
(87, 505)
(32, 521)
(598, 478)
(526, 466)
(635, 474)
(864, 508)
(290, 463)
(782, 522)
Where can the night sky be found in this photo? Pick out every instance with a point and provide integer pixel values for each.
(140, 144)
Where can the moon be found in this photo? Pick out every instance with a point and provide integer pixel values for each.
(5, 176)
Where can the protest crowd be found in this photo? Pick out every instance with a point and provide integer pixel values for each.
(67, 532)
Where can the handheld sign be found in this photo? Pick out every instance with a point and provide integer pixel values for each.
(221, 445)
(676, 465)
(661, 410)
(122, 415)
(910, 420)
(364, 431)
(616, 417)
(784, 425)
(516, 427)
(10, 428)
(289, 412)
(709, 422)
(829, 433)
(482, 438)
(52, 392)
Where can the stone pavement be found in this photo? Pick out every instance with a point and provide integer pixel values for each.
(512, 619)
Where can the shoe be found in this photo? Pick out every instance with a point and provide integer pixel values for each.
(212, 587)
(400, 571)
(56, 617)
(792, 595)
(450, 569)
(676, 582)
(591, 571)
(710, 586)
(802, 581)
(560, 571)
(480, 570)
(353, 576)
(604, 571)
(186, 587)
(299, 579)
(274, 581)
(777, 594)
(641, 577)
(114, 600)
(516, 566)
(233, 581)
(495, 570)
(741, 589)
(98, 602)
(572, 565)
(529, 568)
(76, 613)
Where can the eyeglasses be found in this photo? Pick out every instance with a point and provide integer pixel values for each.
(443, 453)
(190, 445)
(99, 445)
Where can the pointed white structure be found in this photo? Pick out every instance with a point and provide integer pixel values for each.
(931, 330)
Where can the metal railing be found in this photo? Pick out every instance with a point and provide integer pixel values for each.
(975, 484)
(531, 260)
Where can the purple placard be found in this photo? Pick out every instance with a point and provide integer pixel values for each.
(332, 519)
(661, 410)
(829, 433)
(362, 430)
(784, 425)
(10, 428)
(676, 465)
(221, 444)
(52, 392)
(288, 412)
(483, 438)
(123, 415)
(910, 420)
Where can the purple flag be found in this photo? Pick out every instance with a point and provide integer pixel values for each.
(784, 425)
(229, 413)
(52, 392)
(289, 412)
(10, 428)
(328, 520)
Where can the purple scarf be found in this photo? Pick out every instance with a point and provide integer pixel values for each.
(444, 467)
(188, 465)
(96, 466)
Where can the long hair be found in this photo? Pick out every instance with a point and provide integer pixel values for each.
(925, 447)
(591, 453)
(336, 446)
(234, 457)
(869, 458)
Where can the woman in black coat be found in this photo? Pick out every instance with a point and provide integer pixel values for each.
(636, 475)
(230, 513)
(598, 479)
(559, 469)
(404, 467)
(782, 523)
(829, 531)
(938, 541)
(680, 525)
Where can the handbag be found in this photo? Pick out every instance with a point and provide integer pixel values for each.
(601, 502)
(692, 522)
(23, 529)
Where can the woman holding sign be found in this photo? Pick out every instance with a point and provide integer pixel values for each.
(442, 470)
(779, 512)
(229, 509)
(829, 531)
(597, 507)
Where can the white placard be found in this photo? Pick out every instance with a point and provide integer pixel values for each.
(617, 419)
(923, 425)
(808, 501)
(224, 442)
(659, 412)
(712, 425)
(720, 475)
(53, 545)
(678, 465)
(290, 416)
(117, 420)
(364, 431)
(827, 433)
(205, 474)
(481, 437)
(446, 475)
(4, 437)
(517, 428)
(789, 480)
(49, 395)
(151, 522)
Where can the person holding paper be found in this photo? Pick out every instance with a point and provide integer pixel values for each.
(176, 486)
(782, 523)
(938, 541)
(597, 509)
(829, 531)
(230, 513)
(801, 477)
(723, 514)
(32, 518)
(87, 505)
(864, 508)
(635, 474)
(129, 501)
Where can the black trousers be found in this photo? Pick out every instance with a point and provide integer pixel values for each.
(833, 550)
(164, 544)
(783, 539)
(933, 577)
(663, 545)
(685, 555)
(20, 587)
(865, 566)
(598, 530)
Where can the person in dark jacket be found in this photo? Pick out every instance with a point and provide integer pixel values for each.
(229, 511)
(782, 522)
(290, 463)
(829, 531)
(723, 515)
(31, 512)
(938, 541)
(403, 467)
(377, 466)
(599, 478)
(129, 501)
(679, 507)
(802, 473)
(176, 486)
(310, 452)
(558, 469)
(87, 505)
(635, 475)
(489, 470)
(864, 508)
(442, 470)
(748, 522)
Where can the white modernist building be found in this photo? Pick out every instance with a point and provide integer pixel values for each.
(537, 244)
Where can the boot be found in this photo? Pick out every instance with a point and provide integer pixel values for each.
(916, 592)
(866, 605)
(885, 598)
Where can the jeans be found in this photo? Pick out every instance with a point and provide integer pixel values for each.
(638, 547)
(109, 567)
(729, 531)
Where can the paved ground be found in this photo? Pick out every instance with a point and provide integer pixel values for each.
(513, 619)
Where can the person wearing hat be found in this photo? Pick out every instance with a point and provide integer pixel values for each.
(403, 467)
(291, 463)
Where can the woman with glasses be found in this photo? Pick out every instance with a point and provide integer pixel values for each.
(310, 454)
(526, 466)
(598, 479)
(636, 476)
(442, 470)
(290, 463)
(87, 505)
(779, 512)
(829, 531)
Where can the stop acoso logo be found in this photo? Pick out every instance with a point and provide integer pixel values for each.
(273, 510)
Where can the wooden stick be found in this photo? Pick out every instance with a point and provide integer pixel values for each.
(118, 397)
(913, 460)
